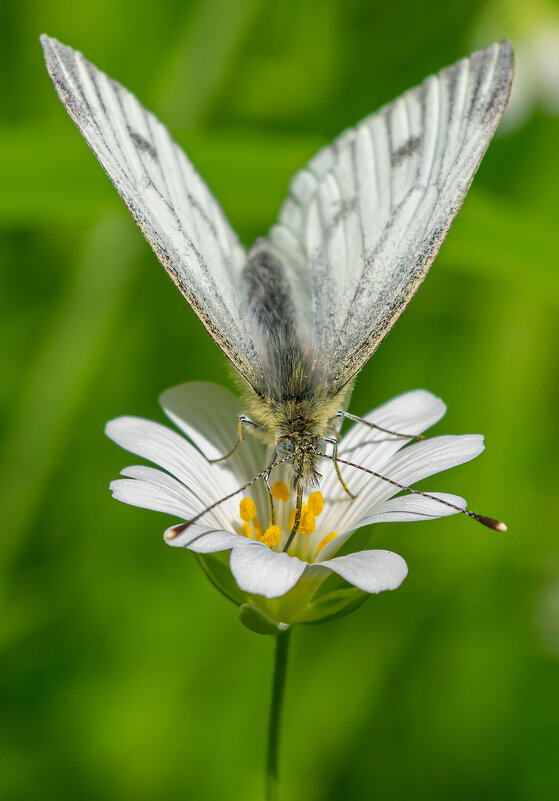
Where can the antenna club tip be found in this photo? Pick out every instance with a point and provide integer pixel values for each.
(490, 522)
(173, 532)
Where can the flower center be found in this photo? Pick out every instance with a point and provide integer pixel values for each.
(272, 536)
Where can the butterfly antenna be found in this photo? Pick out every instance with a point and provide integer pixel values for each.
(174, 531)
(490, 522)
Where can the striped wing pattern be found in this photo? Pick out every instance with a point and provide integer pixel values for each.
(169, 201)
(366, 217)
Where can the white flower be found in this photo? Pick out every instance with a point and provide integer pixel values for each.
(285, 585)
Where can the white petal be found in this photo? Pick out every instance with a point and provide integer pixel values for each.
(203, 539)
(415, 507)
(158, 444)
(173, 453)
(424, 459)
(169, 485)
(208, 414)
(261, 571)
(370, 571)
(411, 413)
(409, 465)
(403, 509)
(146, 473)
(160, 496)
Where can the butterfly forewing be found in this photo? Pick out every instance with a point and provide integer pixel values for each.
(367, 215)
(172, 205)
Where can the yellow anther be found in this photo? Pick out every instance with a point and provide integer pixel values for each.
(280, 491)
(247, 509)
(245, 530)
(308, 522)
(271, 536)
(315, 502)
(328, 538)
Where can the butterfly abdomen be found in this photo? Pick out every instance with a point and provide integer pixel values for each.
(267, 289)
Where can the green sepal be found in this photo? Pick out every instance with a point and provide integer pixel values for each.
(333, 605)
(221, 577)
(258, 621)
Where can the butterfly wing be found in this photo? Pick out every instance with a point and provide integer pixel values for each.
(367, 216)
(171, 204)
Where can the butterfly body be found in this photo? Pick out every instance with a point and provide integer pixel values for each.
(293, 404)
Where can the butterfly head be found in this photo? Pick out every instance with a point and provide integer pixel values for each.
(297, 428)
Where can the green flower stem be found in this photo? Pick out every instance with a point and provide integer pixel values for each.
(278, 688)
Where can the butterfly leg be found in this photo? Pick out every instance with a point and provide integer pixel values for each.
(334, 442)
(298, 511)
(244, 422)
(374, 426)
(266, 478)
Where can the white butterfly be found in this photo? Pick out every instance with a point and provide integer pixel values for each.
(301, 313)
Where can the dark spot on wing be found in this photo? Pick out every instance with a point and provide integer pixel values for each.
(347, 207)
(142, 143)
(405, 150)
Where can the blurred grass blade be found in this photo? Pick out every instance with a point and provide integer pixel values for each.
(202, 60)
(63, 369)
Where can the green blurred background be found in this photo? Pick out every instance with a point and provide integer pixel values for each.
(124, 675)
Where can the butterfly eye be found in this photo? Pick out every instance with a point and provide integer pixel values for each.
(284, 448)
